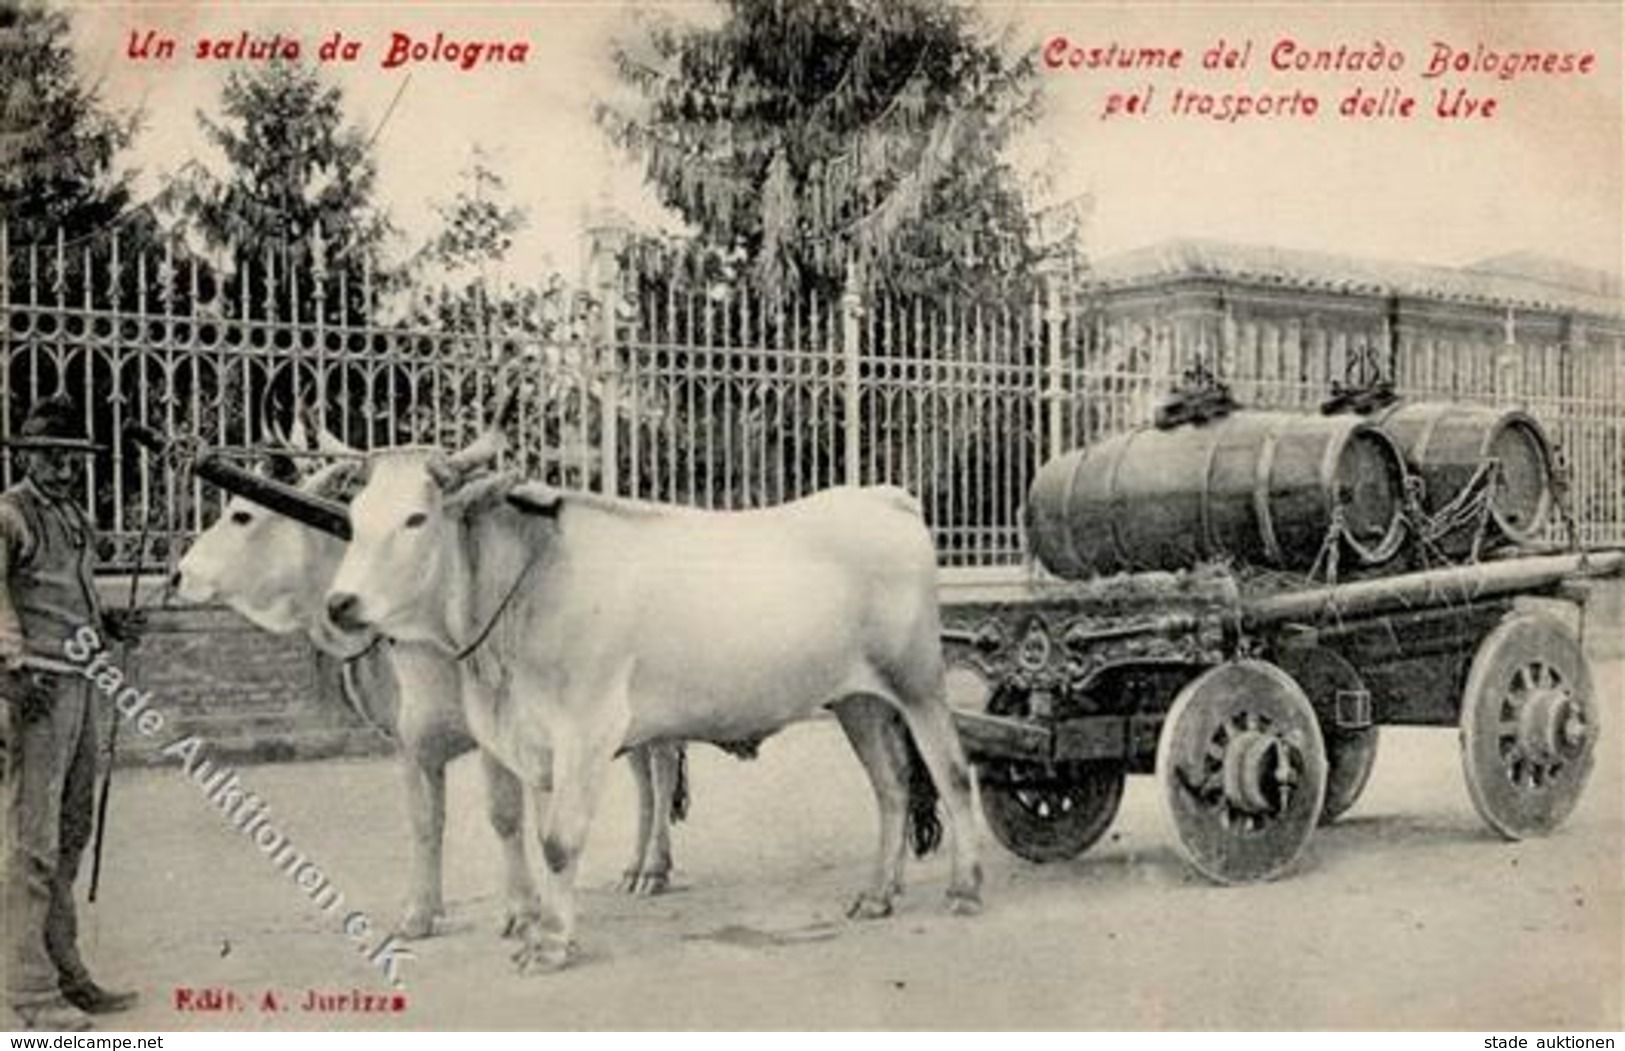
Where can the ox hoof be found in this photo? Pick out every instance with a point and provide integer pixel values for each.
(544, 957)
(965, 902)
(652, 883)
(644, 884)
(416, 925)
(514, 924)
(869, 906)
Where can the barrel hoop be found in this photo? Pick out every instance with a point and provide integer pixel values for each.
(1261, 499)
(1543, 446)
(1209, 544)
(1424, 438)
(1069, 547)
(1335, 444)
(1381, 550)
(1116, 506)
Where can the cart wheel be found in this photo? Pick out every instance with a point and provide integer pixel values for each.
(1528, 725)
(1050, 815)
(1243, 771)
(1331, 682)
(1040, 813)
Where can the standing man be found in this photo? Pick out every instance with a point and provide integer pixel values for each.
(47, 593)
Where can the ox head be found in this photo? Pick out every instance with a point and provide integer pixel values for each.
(271, 569)
(403, 523)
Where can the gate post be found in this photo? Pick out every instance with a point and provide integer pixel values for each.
(851, 334)
(1054, 371)
(607, 237)
(5, 345)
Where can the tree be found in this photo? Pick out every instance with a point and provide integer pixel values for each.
(298, 186)
(822, 134)
(58, 143)
(478, 225)
(483, 317)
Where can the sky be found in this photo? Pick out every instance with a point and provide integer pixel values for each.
(1542, 173)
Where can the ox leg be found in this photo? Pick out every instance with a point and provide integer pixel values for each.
(641, 761)
(865, 721)
(580, 764)
(931, 724)
(655, 767)
(505, 798)
(425, 773)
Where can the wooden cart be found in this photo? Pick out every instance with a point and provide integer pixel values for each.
(1257, 710)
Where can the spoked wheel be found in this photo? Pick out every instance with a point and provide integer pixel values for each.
(1337, 693)
(1041, 813)
(1050, 815)
(1528, 725)
(1243, 771)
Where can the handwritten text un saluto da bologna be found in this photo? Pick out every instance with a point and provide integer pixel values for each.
(1373, 80)
(392, 52)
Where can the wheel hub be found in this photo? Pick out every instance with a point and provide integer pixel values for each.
(1551, 727)
(1259, 772)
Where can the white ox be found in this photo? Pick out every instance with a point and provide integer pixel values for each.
(590, 625)
(276, 572)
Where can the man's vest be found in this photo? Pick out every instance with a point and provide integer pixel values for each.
(51, 580)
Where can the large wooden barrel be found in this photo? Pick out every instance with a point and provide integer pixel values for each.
(1257, 487)
(1445, 442)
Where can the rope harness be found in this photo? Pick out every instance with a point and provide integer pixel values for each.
(502, 607)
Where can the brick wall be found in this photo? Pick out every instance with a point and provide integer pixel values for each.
(251, 695)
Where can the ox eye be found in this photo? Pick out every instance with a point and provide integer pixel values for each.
(416, 519)
(241, 518)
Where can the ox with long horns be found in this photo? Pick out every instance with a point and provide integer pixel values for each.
(587, 625)
(275, 571)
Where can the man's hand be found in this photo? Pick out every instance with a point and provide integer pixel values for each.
(125, 625)
(27, 693)
(11, 652)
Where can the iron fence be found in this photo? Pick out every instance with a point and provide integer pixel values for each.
(652, 386)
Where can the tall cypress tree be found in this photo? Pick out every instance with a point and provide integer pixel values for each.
(813, 135)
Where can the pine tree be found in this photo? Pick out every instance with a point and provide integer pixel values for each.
(821, 134)
(296, 195)
(58, 142)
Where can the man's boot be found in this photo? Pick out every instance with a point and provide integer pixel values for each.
(53, 1016)
(91, 998)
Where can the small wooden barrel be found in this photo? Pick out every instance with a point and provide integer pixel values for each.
(1258, 487)
(1446, 442)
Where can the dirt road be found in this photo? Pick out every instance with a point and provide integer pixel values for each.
(1407, 914)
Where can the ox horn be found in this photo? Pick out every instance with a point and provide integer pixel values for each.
(270, 409)
(450, 471)
(275, 464)
(317, 438)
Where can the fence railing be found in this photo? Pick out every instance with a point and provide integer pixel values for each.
(651, 386)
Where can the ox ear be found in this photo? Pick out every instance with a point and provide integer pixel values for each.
(339, 482)
(534, 498)
(481, 493)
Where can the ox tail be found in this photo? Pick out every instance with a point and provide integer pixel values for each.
(679, 792)
(924, 823)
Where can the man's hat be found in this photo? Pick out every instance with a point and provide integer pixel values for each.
(53, 424)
